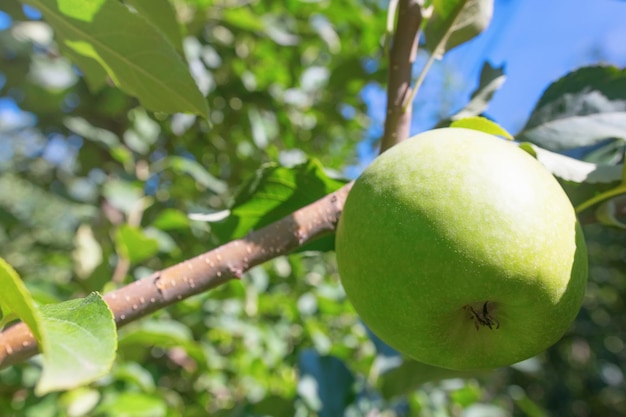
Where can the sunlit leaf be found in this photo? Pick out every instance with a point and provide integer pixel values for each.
(79, 343)
(571, 169)
(170, 219)
(135, 55)
(585, 107)
(16, 301)
(133, 404)
(482, 125)
(134, 244)
(273, 193)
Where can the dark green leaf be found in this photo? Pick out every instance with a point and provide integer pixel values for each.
(170, 219)
(136, 56)
(583, 108)
(272, 194)
(78, 335)
(133, 244)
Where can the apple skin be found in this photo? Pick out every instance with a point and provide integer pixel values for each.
(462, 251)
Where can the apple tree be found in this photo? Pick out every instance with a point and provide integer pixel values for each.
(173, 174)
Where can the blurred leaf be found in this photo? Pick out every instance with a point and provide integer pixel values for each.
(133, 404)
(87, 254)
(80, 401)
(194, 169)
(85, 129)
(16, 301)
(325, 383)
(491, 79)
(123, 195)
(482, 125)
(455, 22)
(161, 333)
(144, 132)
(467, 395)
(272, 194)
(243, 18)
(137, 58)
(583, 108)
(171, 219)
(133, 244)
(606, 213)
(161, 14)
(134, 374)
(412, 374)
(485, 410)
(79, 335)
(14, 9)
(274, 406)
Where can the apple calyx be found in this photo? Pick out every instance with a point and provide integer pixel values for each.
(483, 315)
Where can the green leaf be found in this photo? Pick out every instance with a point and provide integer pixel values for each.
(194, 169)
(491, 79)
(133, 404)
(573, 170)
(411, 374)
(455, 22)
(583, 108)
(170, 219)
(607, 213)
(16, 301)
(162, 15)
(483, 125)
(134, 54)
(123, 195)
(14, 9)
(79, 343)
(161, 333)
(133, 244)
(272, 194)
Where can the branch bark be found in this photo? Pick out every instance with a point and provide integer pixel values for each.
(202, 272)
(401, 58)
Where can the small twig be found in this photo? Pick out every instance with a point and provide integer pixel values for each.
(401, 58)
(203, 272)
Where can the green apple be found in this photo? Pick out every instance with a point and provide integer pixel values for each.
(462, 251)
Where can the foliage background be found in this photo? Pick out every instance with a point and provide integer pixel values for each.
(95, 192)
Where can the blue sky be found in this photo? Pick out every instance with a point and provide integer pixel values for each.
(537, 41)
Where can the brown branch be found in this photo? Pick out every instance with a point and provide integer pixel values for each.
(201, 273)
(401, 58)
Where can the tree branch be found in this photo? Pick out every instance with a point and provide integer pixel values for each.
(201, 273)
(401, 58)
(231, 260)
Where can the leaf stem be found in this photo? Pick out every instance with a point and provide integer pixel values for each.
(619, 190)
